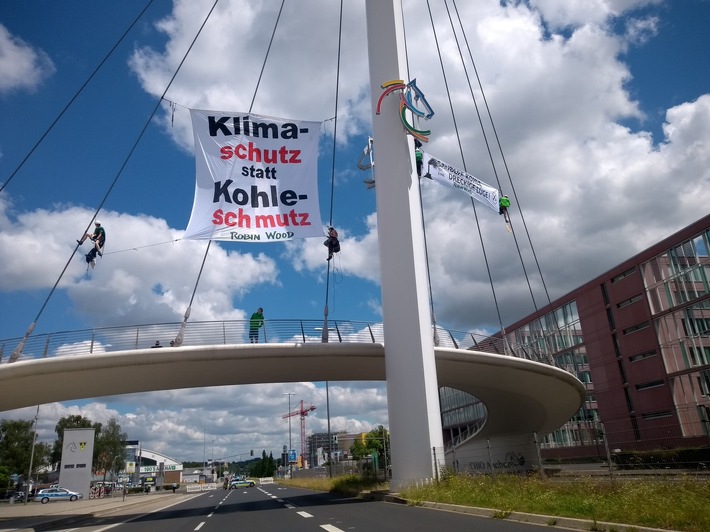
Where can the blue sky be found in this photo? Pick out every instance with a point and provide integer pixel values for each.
(602, 109)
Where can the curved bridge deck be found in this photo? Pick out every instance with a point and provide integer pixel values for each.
(520, 395)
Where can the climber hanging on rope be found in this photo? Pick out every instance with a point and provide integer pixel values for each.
(332, 242)
(98, 237)
(503, 205)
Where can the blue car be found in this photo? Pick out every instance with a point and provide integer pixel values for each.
(57, 494)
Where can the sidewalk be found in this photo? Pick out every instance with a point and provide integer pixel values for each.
(35, 516)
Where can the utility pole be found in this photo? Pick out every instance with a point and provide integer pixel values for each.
(290, 467)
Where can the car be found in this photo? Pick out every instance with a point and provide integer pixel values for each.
(57, 494)
(238, 483)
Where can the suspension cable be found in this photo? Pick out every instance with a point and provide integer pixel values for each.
(458, 138)
(324, 332)
(181, 333)
(505, 162)
(435, 333)
(76, 95)
(18, 350)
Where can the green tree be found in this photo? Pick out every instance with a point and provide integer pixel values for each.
(264, 467)
(16, 438)
(377, 441)
(359, 450)
(109, 449)
(5, 482)
(69, 422)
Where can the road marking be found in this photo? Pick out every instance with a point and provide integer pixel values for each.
(331, 528)
(304, 514)
(199, 526)
(290, 506)
(210, 514)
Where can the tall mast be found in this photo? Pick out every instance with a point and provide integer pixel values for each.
(412, 385)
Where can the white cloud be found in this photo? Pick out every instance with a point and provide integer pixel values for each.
(21, 65)
(147, 273)
(225, 421)
(593, 187)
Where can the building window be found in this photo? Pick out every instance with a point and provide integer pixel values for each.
(649, 385)
(642, 356)
(656, 415)
(635, 328)
(622, 275)
(704, 383)
(629, 301)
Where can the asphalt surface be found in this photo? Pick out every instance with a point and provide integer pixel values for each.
(38, 517)
(35, 516)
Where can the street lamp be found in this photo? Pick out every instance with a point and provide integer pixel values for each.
(214, 469)
(290, 470)
(204, 454)
(113, 473)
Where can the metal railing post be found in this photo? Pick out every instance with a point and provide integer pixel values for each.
(608, 453)
(539, 456)
(490, 457)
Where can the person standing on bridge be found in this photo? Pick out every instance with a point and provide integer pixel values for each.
(255, 322)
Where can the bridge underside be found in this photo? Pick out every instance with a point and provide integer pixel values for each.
(521, 396)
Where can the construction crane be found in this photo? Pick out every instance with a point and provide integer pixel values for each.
(303, 412)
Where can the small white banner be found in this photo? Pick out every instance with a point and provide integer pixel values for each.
(452, 177)
(256, 178)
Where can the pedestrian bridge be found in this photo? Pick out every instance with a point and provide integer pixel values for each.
(521, 395)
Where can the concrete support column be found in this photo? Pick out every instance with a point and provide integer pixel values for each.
(412, 389)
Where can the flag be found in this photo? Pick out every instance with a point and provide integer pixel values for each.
(452, 177)
(256, 178)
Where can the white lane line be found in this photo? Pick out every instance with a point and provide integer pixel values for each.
(290, 506)
(199, 526)
(304, 514)
(331, 528)
(280, 500)
(108, 527)
(274, 497)
(210, 515)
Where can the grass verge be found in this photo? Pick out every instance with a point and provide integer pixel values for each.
(676, 503)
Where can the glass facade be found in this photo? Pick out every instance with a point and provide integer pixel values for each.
(677, 287)
(655, 366)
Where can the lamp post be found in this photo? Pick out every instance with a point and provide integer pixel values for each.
(214, 469)
(290, 470)
(113, 474)
(204, 453)
(32, 455)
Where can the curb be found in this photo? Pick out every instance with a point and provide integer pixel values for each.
(52, 522)
(547, 520)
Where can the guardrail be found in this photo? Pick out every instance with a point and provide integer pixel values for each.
(108, 339)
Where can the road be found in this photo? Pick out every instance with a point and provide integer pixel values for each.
(277, 508)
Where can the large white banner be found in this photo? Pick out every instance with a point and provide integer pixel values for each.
(256, 178)
(452, 177)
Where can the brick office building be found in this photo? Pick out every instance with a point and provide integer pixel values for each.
(638, 337)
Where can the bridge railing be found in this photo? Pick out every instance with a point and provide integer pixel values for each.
(108, 339)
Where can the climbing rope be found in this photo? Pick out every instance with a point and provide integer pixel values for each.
(458, 138)
(181, 333)
(324, 333)
(505, 162)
